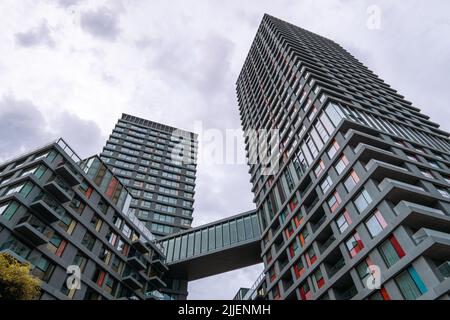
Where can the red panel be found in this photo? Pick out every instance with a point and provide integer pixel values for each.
(385, 294)
(397, 247)
(320, 283)
(89, 192)
(101, 278)
(111, 187)
(61, 248)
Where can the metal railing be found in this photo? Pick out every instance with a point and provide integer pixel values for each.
(68, 150)
(251, 294)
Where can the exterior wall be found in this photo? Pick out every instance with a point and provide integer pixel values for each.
(45, 217)
(326, 218)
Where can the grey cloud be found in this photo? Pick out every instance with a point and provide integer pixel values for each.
(102, 23)
(68, 3)
(35, 37)
(84, 136)
(23, 127)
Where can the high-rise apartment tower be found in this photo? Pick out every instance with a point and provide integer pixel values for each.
(363, 180)
(158, 163)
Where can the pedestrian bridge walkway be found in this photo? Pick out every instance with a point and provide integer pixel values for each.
(211, 249)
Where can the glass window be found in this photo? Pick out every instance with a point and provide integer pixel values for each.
(341, 165)
(354, 244)
(204, 240)
(362, 201)
(351, 181)
(233, 231)
(334, 113)
(198, 239)
(410, 284)
(391, 251)
(211, 239)
(184, 242)
(343, 221)
(226, 234)
(190, 245)
(380, 295)
(88, 240)
(334, 201)
(170, 249)
(240, 229)
(176, 250)
(376, 223)
(333, 149)
(363, 270)
(219, 236)
(80, 260)
(319, 169)
(248, 228)
(7, 210)
(326, 184)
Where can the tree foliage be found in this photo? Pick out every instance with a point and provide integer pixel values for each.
(16, 283)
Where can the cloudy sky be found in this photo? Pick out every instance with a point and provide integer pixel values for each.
(71, 67)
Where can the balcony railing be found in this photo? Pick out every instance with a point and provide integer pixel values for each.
(444, 269)
(336, 267)
(252, 293)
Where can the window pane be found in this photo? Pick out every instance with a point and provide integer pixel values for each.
(233, 232)
(204, 240)
(183, 247)
(226, 234)
(190, 249)
(389, 254)
(219, 236)
(407, 286)
(240, 229)
(176, 252)
(198, 242)
(248, 228)
(211, 239)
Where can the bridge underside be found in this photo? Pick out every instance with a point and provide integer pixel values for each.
(213, 263)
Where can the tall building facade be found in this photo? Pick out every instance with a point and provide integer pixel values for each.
(361, 193)
(158, 164)
(60, 213)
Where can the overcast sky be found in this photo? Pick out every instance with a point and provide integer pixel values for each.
(71, 67)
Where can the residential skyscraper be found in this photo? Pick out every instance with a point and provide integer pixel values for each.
(158, 163)
(363, 179)
(59, 213)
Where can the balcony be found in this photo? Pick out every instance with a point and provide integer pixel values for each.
(155, 282)
(133, 280)
(140, 246)
(60, 190)
(444, 269)
(68, 174)
(46, 211)
(138, 262)
(32, 230)
(10, 252)
(159, 265)
(424, 234)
